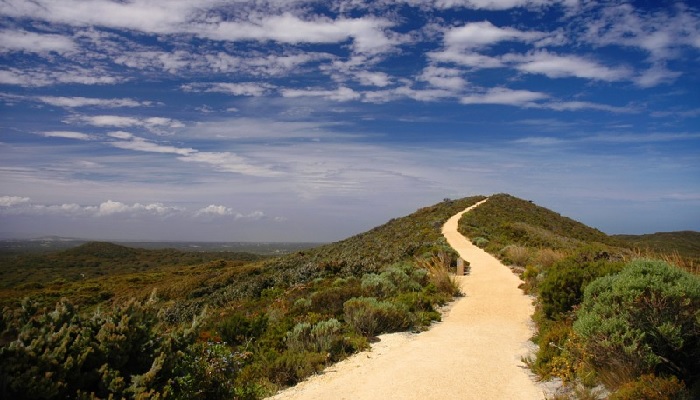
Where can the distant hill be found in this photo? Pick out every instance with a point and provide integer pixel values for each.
(685, 243)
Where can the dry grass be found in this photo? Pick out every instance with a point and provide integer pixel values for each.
(673, 258)
(438, 270)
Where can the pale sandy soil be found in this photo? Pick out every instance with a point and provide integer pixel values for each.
(474, 353)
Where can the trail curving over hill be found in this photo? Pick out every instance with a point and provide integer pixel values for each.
(474, 353)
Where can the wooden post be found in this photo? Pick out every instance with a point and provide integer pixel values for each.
(460, 267)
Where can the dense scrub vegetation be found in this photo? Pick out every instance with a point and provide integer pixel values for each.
(98, 272)
(221, 329)
(604, 314)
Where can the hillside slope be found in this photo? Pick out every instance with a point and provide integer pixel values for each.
(506, 220)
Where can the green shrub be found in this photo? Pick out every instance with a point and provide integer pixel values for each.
(395, 279)
(207, 371)
(320, 337)
(370, 317)
(238, 328)
(646, 319)
(563, 284)
(124, 352)
(379, 286)
(480, 241)
(291, 366)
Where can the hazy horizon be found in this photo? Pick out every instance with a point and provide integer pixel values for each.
(311, 121)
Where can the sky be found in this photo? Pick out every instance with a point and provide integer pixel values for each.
(286, 120)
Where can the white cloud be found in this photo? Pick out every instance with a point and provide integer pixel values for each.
(583, 105)
(340, 94)
(67, 135)
(32, 42)
(215, 210)
(10, 201)
(505, 96)
(75, 102)
(661, 33)
(144, 15)
(556, 66)
(23, 206)
(378, 79)
(39, 77)
(150, 123)
(500, 4)
(480, 34)
(223, 211)
(229, 162)
(120, 135)
(443, 78)
(464, 57)
(367, 33)
(115, 207)
(140, 144)
(657, 74)
(254, 89)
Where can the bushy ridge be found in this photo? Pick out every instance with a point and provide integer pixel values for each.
(603, 315)
(258, 326)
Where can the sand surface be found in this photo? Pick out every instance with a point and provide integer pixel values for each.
(474, 353)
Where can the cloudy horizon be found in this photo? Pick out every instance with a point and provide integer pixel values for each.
(311, 121)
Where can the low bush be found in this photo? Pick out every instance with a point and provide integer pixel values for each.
(321, 337)
(651, 387)
(645, 319)
(123, 353)
(563, 284)
(238, 328)
(516, 255)
(370, 317)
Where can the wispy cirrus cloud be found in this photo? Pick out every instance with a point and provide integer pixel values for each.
(67, 135)
(557, 66)
(151, 123)
(505, 96)
(77, 102)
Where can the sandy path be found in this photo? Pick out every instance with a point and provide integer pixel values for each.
(474, 353)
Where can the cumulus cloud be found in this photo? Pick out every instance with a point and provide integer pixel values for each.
(24, 206)
(480, 34)
(15, 205)
(443, 78)
(9, 201)
(223, 211)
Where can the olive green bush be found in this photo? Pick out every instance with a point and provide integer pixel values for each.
(651, 387)
(121, 353)
(646, 319)
(563, 284)
(370, 316)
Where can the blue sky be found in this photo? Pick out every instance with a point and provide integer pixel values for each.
(293, 120)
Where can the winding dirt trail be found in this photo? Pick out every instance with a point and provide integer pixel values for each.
(474, 353)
